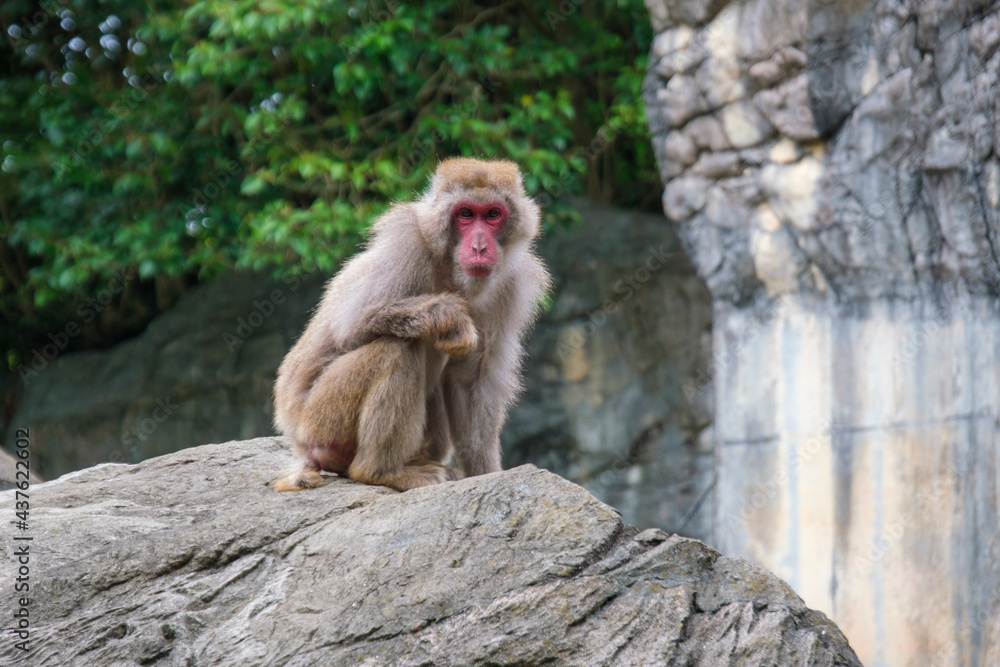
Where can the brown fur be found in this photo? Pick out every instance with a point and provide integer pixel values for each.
(406, 356)
(465, 173)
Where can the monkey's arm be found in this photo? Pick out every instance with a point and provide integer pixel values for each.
(442, 318)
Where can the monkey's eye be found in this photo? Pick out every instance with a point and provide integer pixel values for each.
(465, 213)
(493, 213)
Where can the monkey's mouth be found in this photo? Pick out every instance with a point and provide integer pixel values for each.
(478, 270)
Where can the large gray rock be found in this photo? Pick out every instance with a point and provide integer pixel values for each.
(191, 559)
(605, 405)
(842, 203)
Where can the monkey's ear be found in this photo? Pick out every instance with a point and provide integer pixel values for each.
(529, 216)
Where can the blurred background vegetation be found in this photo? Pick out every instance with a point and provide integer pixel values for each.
(149, 146)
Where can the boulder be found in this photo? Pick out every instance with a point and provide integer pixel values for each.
(191, 558)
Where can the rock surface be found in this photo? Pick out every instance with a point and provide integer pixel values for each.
(191, 558)
(845, 149)
(833, 169)
(618, 385)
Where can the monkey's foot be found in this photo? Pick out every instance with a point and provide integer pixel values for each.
(410, 477)
(303, 479)
(449, 473)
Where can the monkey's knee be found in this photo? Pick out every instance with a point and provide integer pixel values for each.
(298, 481)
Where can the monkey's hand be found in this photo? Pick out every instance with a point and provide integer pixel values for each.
(452, 329)
(457, 336)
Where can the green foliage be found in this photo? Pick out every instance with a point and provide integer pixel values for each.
(182, 139)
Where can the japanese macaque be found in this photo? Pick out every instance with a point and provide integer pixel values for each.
(415, 349)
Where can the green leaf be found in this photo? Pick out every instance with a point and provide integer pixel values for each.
(252, 185)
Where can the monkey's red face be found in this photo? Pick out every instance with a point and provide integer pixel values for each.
(479, 223)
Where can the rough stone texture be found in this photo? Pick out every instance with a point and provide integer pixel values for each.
(605, 403)
(161, 563)
(892, 184)
(843, 210)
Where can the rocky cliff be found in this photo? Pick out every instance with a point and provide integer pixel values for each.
(191, 558)
(832, 169)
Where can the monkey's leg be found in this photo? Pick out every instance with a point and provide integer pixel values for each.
(437, 439)
(322, 422)
(333, 455)
(476, 418)
(392, 423)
